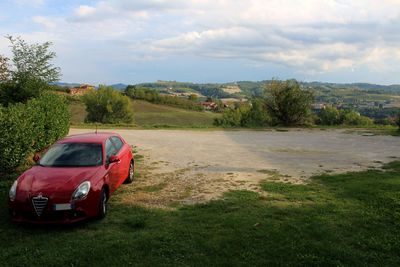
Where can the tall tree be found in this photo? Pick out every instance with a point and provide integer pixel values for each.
(33, 60)
(29, 74)
(287, 103)
(4, 69)
(107, 105)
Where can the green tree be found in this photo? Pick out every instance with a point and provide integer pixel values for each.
(130, 91)
(22, 89)
(4, 69)
(33, 59)
(287, 103)
(30, 73)
(245, 115)
(354, 118)
(106, 105)
(329, 116)
(193, 97)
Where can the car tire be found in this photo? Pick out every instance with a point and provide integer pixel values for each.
(131, 173)
(102, 204)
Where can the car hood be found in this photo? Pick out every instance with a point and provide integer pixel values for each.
(50, 180)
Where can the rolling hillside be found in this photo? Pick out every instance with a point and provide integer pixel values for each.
(152, 115)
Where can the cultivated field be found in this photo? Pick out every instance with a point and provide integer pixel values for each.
(195, 166)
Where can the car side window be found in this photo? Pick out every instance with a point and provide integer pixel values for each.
(117, 142)
(110, 149)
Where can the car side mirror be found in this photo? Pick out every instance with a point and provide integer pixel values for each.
(114, 158)
(36, 157)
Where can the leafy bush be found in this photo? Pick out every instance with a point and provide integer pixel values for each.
(354, 118)
(30, 127)
(245, 115)
(107, 105)
(287, 103)
(51, 117)
(333, 116)
(16, 135)
(329, 116)
(21, 88)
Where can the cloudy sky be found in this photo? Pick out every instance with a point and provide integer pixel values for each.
(212, 40)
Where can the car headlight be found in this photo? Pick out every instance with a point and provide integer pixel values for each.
(82, 191)
(13, 191)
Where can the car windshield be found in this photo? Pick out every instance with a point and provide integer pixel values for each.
(73, 155)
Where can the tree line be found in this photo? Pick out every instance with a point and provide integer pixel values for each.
(286, 103)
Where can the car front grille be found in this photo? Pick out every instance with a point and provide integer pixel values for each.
(39, 203)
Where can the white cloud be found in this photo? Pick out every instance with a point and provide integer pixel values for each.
(44, 21)
(30, 2)
(311, 36)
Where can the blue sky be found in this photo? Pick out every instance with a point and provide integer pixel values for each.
(212, 40)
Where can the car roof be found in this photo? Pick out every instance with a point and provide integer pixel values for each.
(88, 137)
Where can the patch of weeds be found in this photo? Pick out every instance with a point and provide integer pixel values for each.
(153, 188)
(395, 166)
(139, 157)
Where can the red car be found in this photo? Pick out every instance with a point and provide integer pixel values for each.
(73, 180)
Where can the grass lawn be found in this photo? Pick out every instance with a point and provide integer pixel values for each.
(148, 114)
(351, 219)
(152, 115)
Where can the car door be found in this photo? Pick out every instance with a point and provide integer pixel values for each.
(124, 157)
(112, 168)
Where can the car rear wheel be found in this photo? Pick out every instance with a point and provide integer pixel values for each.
(131, 173)
(102, 204)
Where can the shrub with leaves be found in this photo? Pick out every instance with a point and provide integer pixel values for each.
(51, 119)
(16, 135)
(31, 127)
(287, 103)
(355, 119)
(245, 115)
(107, 105)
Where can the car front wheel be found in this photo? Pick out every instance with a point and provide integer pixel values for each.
(102, 204)
(130, 177)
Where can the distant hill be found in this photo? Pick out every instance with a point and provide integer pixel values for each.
(394, 88)
(119, 86)
(246, 89)
(70, 85)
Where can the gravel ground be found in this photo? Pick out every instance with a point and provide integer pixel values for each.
(183, 166)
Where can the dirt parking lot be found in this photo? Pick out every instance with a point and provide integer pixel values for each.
(182, 166)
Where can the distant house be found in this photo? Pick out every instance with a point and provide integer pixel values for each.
(318, 106)
(209, 105)
(82, 89)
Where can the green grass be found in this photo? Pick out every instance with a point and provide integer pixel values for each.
(350, 219)
(148, 115)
